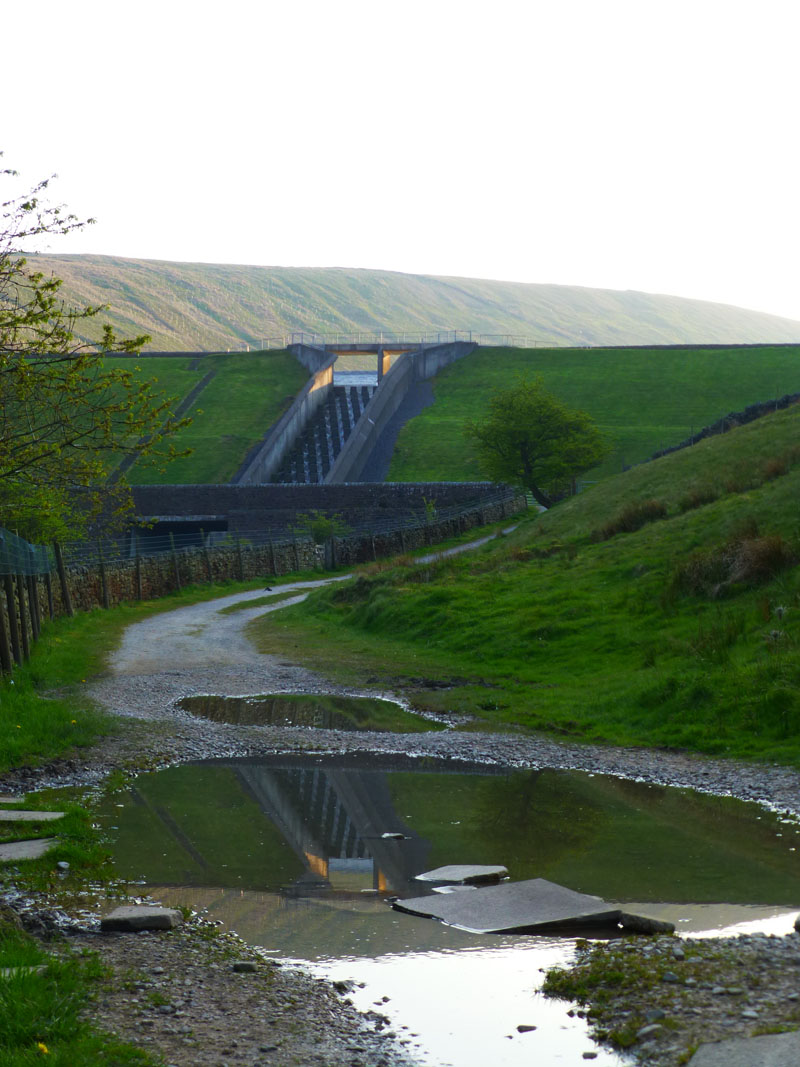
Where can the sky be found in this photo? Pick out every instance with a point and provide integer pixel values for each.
(621, 144)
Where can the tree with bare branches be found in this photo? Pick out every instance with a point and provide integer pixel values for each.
(67, 414)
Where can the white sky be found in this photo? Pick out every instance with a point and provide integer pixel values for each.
(625, 144)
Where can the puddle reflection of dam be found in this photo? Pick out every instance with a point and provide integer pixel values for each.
(335, 822)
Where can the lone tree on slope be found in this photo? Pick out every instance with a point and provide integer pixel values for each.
(530, 438)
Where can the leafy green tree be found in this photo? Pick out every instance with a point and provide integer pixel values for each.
(530, 438)
(320, 526)
(67, 415)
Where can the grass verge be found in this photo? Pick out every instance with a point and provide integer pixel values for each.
(683, 633)
(642, 398)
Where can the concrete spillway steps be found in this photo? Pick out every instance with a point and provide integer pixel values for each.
(323, 438)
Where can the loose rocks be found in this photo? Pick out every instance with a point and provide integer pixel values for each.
(660, 999)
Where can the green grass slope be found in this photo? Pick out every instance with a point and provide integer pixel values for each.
(642, 399)
(247, 394)
(681, 633)
(202, 306)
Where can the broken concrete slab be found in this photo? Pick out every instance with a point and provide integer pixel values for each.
(522, 906)
(134, 917)
(30, 816)
(768, 1050)
(26, 850)
(464, 874)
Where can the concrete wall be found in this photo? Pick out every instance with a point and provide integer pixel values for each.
(271, 508)
(312, 358)
(266, 458)
(387, 398)
(432, 358)
(394, 386)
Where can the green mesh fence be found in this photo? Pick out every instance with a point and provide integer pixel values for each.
(20, 557)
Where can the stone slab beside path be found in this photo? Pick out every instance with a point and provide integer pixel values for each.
(26, 850)
(134, 917)
(519, 906)
(769, 1050)
(30, 816)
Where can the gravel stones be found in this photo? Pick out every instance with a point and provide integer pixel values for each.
(180, 995)
(722, 988)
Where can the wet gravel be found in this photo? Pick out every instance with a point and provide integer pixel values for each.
(683, 993)
(198, 651)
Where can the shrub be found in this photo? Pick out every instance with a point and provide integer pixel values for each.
(697, 497)
(632, 518)
(775, 468)
(745, 559)
(321, 527)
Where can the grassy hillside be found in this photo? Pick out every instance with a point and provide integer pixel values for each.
(681, 633)
(641, 398)
(200, 306)
(246, 395)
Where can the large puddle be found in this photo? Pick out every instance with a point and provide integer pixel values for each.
(297, 855)
(324, 711)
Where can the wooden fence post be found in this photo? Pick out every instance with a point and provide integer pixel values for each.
(16, 644)
(51, 607)
(6, 660)
(103, 581)
(175, 566)
(207, 558)
(23, 618)
(239, 555)
(272, 556)
(62, 577)
(33, 603)
(138, 574)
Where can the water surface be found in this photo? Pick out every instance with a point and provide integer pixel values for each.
(299, 855)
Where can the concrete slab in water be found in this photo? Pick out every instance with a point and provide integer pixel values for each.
(514, 906)
(463, 874)
(30, 816)
(133, 917)
(26, 850)
(769, 1050)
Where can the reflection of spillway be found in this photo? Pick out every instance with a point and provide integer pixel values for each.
(335, 822)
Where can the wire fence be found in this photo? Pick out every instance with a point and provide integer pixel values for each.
(18, 556)
(415, 337)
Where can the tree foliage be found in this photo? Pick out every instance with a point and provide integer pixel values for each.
(530, 438)
(67, 415)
